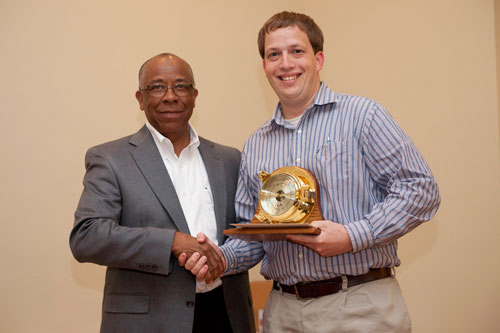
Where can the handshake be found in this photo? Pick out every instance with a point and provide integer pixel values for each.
(199, 255)
(204, 259)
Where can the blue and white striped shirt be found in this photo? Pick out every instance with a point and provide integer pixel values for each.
(372, 180)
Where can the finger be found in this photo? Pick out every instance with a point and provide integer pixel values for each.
(220, 254)
(321, 224)
(214, 263)
(203, 274)
(201, 238)
(311, 246)
(196, 268)
(214, 256)
(191, 262)
(302, 239)
(208, 277)
(182, 259)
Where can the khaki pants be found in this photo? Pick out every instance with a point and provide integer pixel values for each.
(371, 307)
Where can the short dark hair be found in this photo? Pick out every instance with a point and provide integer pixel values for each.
(287, 19)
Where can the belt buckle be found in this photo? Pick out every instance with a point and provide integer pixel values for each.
(297, 294)
(280, 288)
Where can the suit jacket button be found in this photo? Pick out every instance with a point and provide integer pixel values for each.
(189, 304)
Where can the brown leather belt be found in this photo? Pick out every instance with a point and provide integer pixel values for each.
(327, 287)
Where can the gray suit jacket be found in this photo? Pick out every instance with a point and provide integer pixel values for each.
(126, 220)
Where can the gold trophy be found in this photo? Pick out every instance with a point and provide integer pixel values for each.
(288, 203)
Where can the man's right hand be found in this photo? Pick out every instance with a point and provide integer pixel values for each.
(204, 258)
(197, 264)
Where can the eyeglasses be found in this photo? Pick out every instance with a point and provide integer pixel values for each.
(159, 89)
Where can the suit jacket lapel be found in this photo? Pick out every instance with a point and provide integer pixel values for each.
(148, 160)
(216, 176)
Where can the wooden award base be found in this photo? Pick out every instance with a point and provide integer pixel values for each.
(269, 232)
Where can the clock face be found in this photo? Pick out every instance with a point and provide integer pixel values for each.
(278, 194)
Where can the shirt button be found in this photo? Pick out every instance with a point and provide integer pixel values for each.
(189, 304)
(298, 160)
(299, 131)
(301, 256)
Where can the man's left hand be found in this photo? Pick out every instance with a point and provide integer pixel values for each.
(333, 239)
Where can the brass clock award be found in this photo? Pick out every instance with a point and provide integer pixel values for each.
(288, 203)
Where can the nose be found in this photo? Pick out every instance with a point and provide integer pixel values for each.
(169, 96)
(286, 61)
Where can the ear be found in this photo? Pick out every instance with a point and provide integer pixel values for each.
(264, 64)
(195, 94)
(138, 95)
(320, 60)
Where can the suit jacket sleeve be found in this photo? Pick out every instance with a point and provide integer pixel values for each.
(98, 236)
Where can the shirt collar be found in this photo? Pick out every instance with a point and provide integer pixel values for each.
(323, 96)
(194, 140)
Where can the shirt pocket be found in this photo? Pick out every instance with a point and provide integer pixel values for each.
(331, 167)
(125, 312)
(206, 195)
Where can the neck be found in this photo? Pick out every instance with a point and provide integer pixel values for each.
(293, 108)
(179, 140)
(290, 113)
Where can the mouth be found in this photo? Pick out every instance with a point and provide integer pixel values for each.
(170, 111)
(170, 114)
(289, 77)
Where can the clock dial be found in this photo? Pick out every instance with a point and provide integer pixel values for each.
(278, 194)
(288, 195)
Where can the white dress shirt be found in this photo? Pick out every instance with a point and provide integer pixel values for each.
(189, 177)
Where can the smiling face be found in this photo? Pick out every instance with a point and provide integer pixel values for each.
(170, 113)
(292, 68)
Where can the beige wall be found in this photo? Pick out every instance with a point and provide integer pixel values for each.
(68, 77)
(497, 40)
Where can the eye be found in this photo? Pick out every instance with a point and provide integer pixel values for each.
(272, 55)
(157, 87)
(181, 87)
(298, 51)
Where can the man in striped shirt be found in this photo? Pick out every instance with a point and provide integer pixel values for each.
(374, 184)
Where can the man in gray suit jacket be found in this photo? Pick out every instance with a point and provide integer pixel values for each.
(145, 196)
